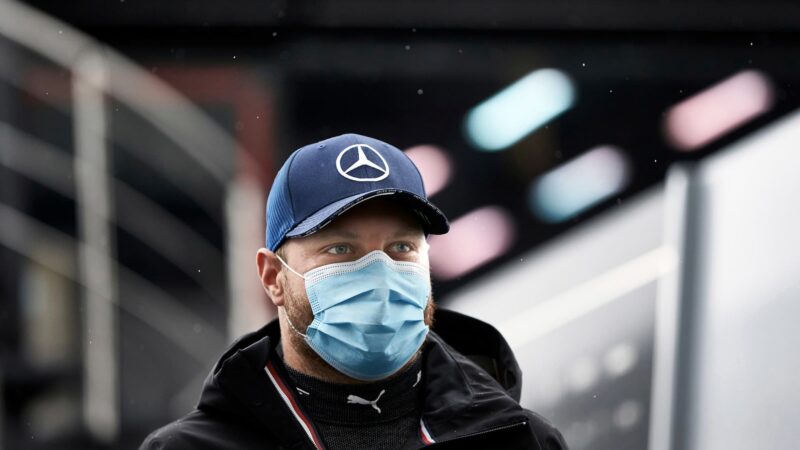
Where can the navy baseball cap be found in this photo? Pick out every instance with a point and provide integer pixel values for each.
(319, 182)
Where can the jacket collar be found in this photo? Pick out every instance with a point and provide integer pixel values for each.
(460, 398)
(243, 386)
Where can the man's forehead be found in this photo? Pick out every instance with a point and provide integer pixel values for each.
(342, 230)
(390, 215)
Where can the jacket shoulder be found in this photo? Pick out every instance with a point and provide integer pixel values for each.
(198, 430)
(180, 434)
(167, 437)
(548, 435)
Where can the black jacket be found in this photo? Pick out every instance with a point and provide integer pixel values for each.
(472, 385)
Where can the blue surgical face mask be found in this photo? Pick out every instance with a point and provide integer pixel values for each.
(369, 314)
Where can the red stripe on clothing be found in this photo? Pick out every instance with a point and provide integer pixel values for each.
(293, 404)
(427, 439)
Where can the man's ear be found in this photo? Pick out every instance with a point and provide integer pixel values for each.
(268, 269)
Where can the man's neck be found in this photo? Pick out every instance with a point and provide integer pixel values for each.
(308, 363)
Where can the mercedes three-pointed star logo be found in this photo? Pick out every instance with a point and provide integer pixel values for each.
(362, 161)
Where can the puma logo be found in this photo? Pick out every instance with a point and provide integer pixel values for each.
(358, 400)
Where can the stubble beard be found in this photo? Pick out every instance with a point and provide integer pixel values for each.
(298, 311)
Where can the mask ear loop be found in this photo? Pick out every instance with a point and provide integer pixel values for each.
(291, 325)
(287, 266)
(283, 308)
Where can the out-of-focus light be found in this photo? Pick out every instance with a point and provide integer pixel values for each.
(433, 165)
(581, 434)
(717, 110)
(582, 374)
(519, 109)
(579, 184)
(627, 414)
(473, 240)
(620, 359)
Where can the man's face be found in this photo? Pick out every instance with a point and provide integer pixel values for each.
(376, 224)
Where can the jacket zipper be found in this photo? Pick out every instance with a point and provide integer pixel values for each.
(479, 433)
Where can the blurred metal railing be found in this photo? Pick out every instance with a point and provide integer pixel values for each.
(98, 74)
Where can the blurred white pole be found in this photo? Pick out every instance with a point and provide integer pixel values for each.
(95, 251)
(668, 339)
(244, 210)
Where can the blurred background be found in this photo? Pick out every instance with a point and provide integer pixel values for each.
(621, 180)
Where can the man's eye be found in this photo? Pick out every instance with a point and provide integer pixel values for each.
(401, 247)
(338, 249)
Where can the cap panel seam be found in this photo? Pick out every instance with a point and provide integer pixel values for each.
(292, 157)
(419, 175)
(290, 162)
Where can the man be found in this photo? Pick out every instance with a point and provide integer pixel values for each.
(353, 361)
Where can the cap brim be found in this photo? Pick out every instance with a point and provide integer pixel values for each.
(432, 218)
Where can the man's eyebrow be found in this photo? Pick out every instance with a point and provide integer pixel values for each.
(339, 233)
(408, 232)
